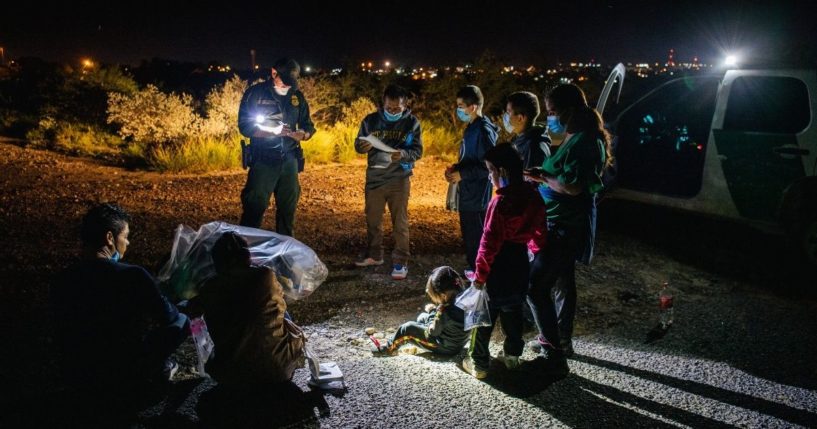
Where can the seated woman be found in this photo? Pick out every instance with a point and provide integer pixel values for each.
(245, 312)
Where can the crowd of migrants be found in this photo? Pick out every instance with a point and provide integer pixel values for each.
(521, 245)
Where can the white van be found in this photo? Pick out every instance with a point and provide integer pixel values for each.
(741, 144)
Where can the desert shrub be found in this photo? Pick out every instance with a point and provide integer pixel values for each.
(335, 143)
(74, 138)
(151, 116)
(221, 108)
(441, 141)
(197, 155)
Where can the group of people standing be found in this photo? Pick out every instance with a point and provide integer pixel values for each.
(521, 245)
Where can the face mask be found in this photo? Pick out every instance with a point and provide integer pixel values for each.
(281, 90)
(116, 256)
(462, 115)
(554, 125)
(392, 117)
(506, 122)
(503, 182)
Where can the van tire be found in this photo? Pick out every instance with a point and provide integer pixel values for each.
(798, 216)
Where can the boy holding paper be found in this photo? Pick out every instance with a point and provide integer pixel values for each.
(391, 138)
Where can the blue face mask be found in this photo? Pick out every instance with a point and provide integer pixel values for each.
(503, 182)
(462, 115)
(392, 117)
(506, 122)
(554, 126)
(116, 256)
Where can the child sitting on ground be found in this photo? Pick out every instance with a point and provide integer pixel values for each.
(440, 328)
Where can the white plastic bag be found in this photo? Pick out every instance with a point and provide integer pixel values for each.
(204, 344)
(296, 266)
(475, 304)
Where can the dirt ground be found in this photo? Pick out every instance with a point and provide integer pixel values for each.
(43, 196)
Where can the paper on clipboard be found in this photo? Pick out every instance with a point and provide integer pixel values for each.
(379, 145)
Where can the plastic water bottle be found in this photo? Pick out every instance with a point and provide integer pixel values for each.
(665, 306)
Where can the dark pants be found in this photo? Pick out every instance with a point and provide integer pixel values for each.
(511, 316)
(265, 179)
(471, 224)
(554, 271)
(415, 333)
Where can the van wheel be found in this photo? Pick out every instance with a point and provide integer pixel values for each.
(808, 241)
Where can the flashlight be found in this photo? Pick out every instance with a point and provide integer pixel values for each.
(260, 121)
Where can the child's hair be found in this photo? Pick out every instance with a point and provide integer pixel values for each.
(505, 156)
(443, 285)
(230, 251)
(471, 95)
(525, 103)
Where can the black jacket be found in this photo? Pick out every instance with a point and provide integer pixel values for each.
(533, 145)
(475, 188)
(292, 109)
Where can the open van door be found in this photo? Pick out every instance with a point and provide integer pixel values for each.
(616, 79)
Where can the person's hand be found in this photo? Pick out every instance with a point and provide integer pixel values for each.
(429, 307)
(396, 156)
(535, 175)
(365, 146)
(297, 135)
(478, 284)
(453, 176)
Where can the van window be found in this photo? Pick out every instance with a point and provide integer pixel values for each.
(767, 104)
(661, 139)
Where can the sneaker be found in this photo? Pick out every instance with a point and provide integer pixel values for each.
(368, 262)
(511, 362)
(543, 348)
(399, 272)
(379, 347)
(469, 367)
(171, 367)
(539, 345)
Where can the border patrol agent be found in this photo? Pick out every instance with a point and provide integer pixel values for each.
(275, 116)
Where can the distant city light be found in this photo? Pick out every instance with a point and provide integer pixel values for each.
(308, 69)
(387, 64)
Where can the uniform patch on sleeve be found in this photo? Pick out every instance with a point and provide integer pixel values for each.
(295, 101)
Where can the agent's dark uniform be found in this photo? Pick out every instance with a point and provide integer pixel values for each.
(276, 161)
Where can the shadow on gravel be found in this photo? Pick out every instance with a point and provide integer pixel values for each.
(578, 402)
(111, 408)
(271, 406)
(741, 400)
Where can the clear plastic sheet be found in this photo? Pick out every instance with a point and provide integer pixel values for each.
(296, 266)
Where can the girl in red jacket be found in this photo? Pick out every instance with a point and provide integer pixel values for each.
(515, 223)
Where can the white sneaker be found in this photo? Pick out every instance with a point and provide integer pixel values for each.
(399, 272)
(511, 362)
(469, 367)
(368, 262)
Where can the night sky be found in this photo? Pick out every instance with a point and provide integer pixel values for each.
(410, 32)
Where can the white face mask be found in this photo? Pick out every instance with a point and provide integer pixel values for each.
(281, 90)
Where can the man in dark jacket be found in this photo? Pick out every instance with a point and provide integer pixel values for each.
(114, 327)
(388, 176)
(275, 116)
(470, 173)
(532, 140)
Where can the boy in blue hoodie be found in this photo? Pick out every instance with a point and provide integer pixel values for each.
(470, 172)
